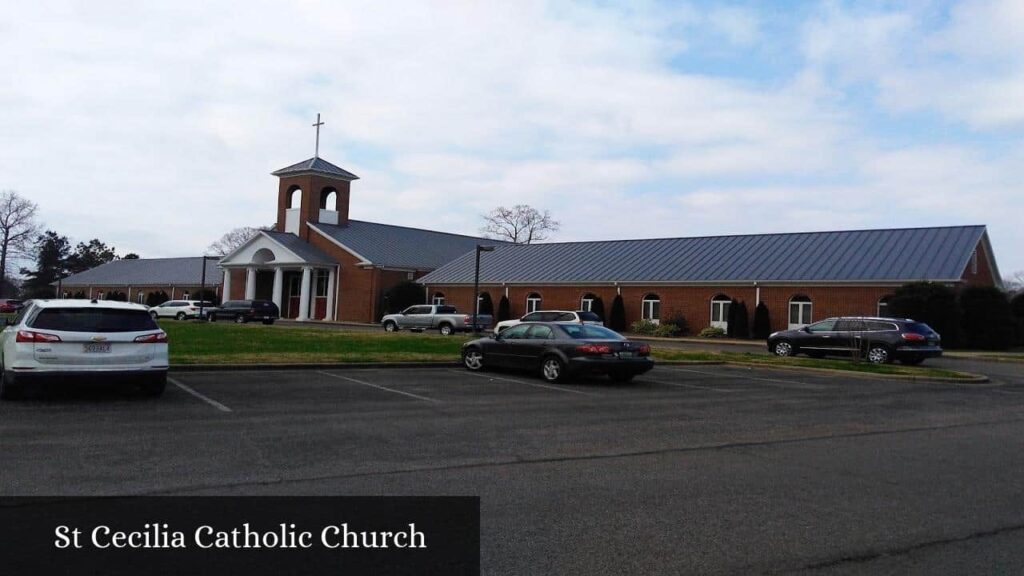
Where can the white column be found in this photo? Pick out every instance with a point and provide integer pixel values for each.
(250, 283)
(226, 293)
(278, 288)
(307, 273)
(329, 315)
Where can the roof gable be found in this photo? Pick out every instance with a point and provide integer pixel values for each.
(851, 256)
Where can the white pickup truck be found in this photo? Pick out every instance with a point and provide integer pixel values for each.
(444, 319)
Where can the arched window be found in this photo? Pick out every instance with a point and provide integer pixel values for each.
(437, 299)
(587, 302)
(294, 197)
(799, 311)
(532, 302)
(651, 308)
(720, 311)
(883, 306)
(329, 199)
(262, 256)
(140, 297)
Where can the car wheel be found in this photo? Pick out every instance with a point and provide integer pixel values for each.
(552, 369)
(445, 329)
(783, 348)
(154, 386)
(10, 389)
(912, 360)
(154, 315)
(878, 354)
(180, 316)
(240, 319)
(621, 376)
(390, 326)
(473, 359)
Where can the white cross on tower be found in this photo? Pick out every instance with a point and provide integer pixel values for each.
(318, 124)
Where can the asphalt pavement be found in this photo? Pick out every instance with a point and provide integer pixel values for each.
(689, 469)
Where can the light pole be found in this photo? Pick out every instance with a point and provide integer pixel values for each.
(202, 289)
(476, 284)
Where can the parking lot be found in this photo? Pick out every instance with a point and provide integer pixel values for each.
(687, 469)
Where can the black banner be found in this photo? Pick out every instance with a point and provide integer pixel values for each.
(344, 536)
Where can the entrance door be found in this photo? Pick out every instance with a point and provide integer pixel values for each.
(292, 293)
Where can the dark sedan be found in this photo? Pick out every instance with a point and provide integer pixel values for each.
(559, 351)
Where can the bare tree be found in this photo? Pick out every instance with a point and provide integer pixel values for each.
(232, 240)
(18, 229)
(1014, 283)
(521, 224)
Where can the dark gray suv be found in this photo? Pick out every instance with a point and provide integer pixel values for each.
(879, 340)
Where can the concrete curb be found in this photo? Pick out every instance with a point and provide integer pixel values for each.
(971, 379)
(974, 378)
(308, 366)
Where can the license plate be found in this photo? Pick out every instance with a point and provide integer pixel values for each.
(96, 348)
(626, 354)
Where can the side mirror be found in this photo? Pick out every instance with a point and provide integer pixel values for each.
(493, 336)
(806, 329)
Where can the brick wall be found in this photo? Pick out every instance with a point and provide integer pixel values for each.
(694, 302)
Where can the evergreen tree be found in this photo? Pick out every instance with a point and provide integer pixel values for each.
(1017, 308)
(52, 252)
(987, 318)
(742, 329)
(617, 319)
(597, 307)
(762, 322)
(730, 319)
(932, 303)
(504, 312)
(486, 304)
(156, 298)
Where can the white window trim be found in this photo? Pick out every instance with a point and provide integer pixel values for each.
(647, 310)
(437, 299)
(533, 303)
(587, 304)
(806, 313)
(723, 304)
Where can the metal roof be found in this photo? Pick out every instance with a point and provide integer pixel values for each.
(148, 271)
(301, 248)
(904, 254)
(400, 247)
(316, 165)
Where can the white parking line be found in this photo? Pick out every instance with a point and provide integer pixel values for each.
(206, 399)
(771, 381)
(410, 394)
(536, 384)
(681, 385)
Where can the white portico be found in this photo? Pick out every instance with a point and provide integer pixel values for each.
(300, 279)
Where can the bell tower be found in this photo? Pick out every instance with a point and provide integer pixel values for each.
(312, 191)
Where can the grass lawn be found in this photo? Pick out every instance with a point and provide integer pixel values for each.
(226, 343)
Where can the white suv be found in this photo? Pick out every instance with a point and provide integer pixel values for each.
(180, 309)
(577, 316)
(62, 339)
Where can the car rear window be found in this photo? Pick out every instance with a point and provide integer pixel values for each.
(93, 320)
(920, 328)
(446, 310)
(262, 304)
(589, 317)
(587, 331)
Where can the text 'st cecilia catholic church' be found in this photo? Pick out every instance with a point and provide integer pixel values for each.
(318, 264)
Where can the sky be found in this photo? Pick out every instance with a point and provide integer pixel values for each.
(154, 126)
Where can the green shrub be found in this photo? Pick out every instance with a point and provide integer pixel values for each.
(679, 322)
(504, 312)
(1017, 306)
(645, 327)
(712, 332)
(666, 330)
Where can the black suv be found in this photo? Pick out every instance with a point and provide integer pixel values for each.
(879, 340)
(243, 311)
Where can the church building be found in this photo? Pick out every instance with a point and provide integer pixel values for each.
(317, 264)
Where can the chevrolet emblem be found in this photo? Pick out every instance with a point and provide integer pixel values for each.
(99, 339)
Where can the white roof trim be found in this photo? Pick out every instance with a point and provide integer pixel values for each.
(294, 258)
(364, 261)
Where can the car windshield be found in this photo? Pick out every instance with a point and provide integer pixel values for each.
(588, 331)
(93, 320)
